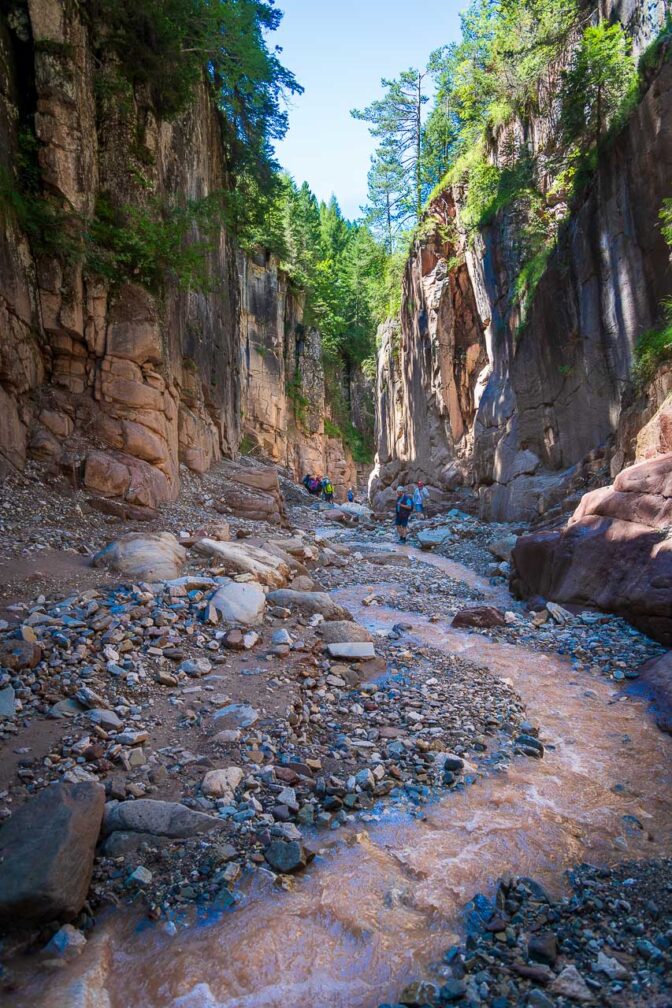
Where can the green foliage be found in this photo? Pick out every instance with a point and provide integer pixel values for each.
(151, 245)
(337, 263)
(248, 446)
(166, 47)
(331, 429)
(361, 446)
(599, 85)
(40, 218)
(654, 347)
(666, 221)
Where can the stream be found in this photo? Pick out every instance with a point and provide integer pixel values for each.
(384, 900)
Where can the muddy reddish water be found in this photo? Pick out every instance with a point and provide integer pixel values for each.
(384, 900)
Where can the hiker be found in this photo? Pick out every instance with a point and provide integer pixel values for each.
(327, 489)
(403, 510)
(350, 495)
(312, 485)
(420, 495)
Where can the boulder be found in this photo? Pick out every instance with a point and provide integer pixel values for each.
(222, 783)
(351, 650)
(479, 616)
(154, 557)
(503, 547)
(431, 537)
(343, 631)
(46, 854)
(656, 675)
(17, 654)
(614, 553)
(157, 818)
(309, 603)
(240, 602)
(252, 492)
(237, 558)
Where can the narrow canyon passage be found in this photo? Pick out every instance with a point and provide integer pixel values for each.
(384, 899)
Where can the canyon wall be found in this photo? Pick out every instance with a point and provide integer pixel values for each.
(284, 393)
(116, 384)
(525, 413)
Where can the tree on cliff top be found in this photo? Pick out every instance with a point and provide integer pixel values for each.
(396, 120)
(165, 46)
(598, 83)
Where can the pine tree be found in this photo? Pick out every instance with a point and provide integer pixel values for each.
(597, 84)
(396, 120)
(387, 209)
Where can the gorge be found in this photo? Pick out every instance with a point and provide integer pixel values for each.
(255, 751)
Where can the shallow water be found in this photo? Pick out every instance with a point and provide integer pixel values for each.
(384, 900)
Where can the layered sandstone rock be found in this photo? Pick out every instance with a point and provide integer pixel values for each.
(113, 383)
(615, 553)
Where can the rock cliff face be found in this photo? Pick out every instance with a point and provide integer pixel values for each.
(283, 381)
(113, 384)
(467, 395)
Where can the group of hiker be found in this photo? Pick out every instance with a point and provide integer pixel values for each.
(410, 500)
(319, 486)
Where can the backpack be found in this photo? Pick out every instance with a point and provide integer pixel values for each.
(327, 487)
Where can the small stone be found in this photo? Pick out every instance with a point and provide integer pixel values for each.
(222, 783)
(453, 990)
(195, 667)
(351, 650)
(141, 876)
(543, 948)
(235, 716)
(7, 702)
(571, 984)
(286, 856)
(611, 967)
(105, 718)
(537, 999)
(67, 943)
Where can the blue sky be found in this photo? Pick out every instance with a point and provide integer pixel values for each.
(339, 50)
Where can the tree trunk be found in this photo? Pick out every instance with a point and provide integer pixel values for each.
(418, 149)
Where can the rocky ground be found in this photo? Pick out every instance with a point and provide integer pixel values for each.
(607, 943)
(225, 745)
(263, 736)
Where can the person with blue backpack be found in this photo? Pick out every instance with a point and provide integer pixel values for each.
(402, 512)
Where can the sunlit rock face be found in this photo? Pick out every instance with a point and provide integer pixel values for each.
(117, 385)
(523, 409)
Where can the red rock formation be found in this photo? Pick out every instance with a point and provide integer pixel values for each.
(615, 553)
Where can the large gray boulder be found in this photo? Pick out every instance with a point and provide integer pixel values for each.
(344, 632)
(46, 854)
(160, 818)
(240, 602)
(309, 603)
(153, 557)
